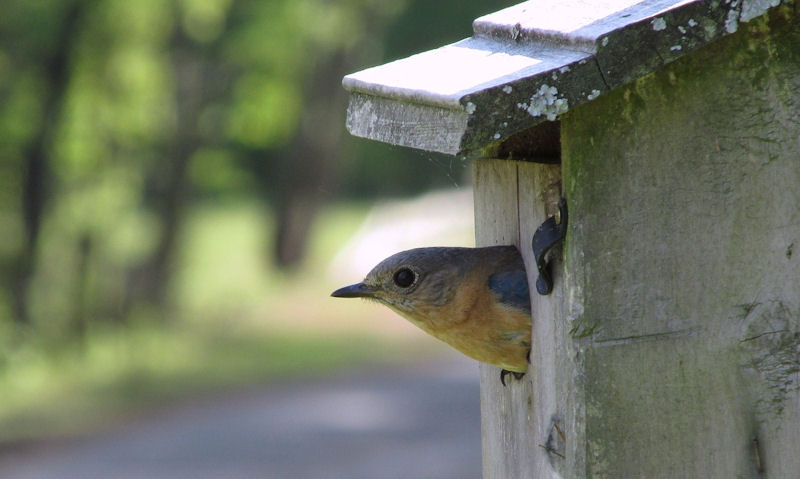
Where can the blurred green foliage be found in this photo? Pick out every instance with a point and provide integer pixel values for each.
(162, 162)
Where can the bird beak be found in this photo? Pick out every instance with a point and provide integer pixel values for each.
(358, 290)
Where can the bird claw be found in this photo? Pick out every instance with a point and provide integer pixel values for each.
(506, 372)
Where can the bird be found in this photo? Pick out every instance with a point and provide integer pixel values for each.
(474, 299)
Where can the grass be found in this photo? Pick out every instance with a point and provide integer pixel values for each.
(114, 373)
(235, 321)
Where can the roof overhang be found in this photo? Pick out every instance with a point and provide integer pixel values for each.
(527, 64)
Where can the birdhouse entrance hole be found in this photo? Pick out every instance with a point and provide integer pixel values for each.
(540, 144)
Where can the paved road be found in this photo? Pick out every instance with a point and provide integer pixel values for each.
(410, 422)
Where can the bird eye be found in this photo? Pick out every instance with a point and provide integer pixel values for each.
(404, 277)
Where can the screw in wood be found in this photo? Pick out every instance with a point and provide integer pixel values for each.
(757, 454)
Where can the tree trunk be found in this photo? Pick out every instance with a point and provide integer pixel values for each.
(35, 173)
(313, 159)
(315, 155)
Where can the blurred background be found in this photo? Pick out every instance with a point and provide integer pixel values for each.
(178, 197)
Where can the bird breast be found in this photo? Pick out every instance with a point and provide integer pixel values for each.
(476, 324)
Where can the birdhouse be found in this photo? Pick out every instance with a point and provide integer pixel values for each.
(669, 345)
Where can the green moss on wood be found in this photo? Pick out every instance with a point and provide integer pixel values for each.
(683, 190)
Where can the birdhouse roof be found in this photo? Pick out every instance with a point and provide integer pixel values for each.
(528, 64)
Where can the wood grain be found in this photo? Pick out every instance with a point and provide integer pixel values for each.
(511, 200)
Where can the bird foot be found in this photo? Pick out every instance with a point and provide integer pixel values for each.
(506, 372)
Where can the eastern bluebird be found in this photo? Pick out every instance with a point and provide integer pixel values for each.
(474, 299)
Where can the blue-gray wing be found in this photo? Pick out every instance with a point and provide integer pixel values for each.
(511, 288)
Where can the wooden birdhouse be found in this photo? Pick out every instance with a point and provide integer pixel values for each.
(669, 346)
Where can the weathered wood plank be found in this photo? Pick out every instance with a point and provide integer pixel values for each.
(511, 200)
(683, 283)
(531, 63)
(539, 193)
(423, 126)
(504, 425)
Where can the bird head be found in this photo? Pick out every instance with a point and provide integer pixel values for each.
(411, 282)
(475, 299)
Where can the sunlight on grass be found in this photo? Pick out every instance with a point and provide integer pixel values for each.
(85, 388)
(236, 320)
(224, 265)
(227, 273)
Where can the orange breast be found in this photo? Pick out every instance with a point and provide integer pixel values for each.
(480, 327)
